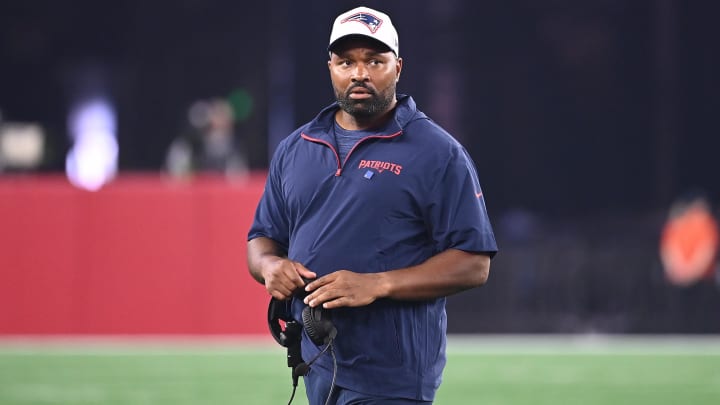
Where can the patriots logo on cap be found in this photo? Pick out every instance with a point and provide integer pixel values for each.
(370, 21)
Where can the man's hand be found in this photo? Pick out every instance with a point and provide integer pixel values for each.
(446, 273)
(269, 265)
(345, 288)
(284, 276)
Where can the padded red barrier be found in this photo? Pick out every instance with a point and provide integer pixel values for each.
(144, 255)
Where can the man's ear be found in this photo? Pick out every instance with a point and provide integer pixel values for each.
(398, 69)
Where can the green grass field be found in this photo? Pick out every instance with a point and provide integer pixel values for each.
(514, 371)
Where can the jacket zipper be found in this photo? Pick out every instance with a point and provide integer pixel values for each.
(340, 166)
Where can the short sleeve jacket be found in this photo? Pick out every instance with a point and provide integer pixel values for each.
(402, 195)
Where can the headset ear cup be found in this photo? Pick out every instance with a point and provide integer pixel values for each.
(318, 325)
(309, 324)
(279, 311)
(275, 315)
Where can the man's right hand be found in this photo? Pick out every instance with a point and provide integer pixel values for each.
(284, 277)
(281, 276)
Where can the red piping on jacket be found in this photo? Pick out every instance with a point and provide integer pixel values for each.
(338, 172)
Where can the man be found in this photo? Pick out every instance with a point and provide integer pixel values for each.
(382, 210)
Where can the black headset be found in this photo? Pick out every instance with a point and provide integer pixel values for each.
(287, 331)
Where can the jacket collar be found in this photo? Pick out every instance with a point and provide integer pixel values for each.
(321, 127)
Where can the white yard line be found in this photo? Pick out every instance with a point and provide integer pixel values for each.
(586, 344)
(521, 344)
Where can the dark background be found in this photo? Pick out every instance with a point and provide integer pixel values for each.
(586, 120)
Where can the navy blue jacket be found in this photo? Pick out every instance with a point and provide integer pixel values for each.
(401, 196)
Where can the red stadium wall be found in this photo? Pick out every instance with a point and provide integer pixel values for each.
(144, 255)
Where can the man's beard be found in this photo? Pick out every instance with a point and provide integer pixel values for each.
(365, 108)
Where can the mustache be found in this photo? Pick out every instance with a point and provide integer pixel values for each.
(362, 86)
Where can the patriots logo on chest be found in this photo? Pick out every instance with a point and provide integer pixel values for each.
(369, 20)
(380, 166)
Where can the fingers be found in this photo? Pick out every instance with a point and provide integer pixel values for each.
(340, 289)
(332, 303)
(285, 277)
(318, 294)
(315, 283)
(340, 302)
(280, 288)
(304, 273)
(335, 299)
(278, 295)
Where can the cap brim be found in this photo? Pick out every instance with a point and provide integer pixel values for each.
(338, 43)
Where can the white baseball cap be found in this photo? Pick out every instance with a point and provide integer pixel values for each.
(366, 22)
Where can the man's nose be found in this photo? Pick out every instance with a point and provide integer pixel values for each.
(360, 73)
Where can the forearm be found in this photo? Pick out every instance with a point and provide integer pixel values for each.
(444, 274)
(258, 251)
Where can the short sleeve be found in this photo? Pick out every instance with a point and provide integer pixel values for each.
(457, 214)
(271, 220)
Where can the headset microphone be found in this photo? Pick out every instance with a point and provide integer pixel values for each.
(301, 370)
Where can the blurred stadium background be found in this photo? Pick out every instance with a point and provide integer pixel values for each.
(134, 139)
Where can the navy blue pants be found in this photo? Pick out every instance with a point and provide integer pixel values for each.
(317, 390)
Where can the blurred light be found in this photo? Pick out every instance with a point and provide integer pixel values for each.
(689, 242)
(199, 114)
(242, 103)
(22, 145)
(92, 161)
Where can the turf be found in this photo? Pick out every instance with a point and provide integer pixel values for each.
(528, 372)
